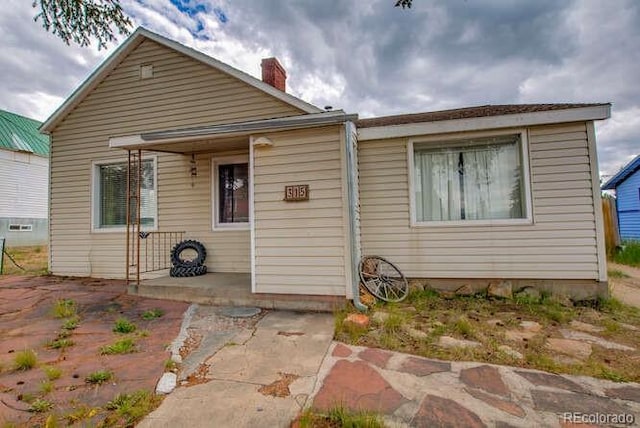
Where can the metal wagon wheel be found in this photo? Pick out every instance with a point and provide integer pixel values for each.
(383, 279)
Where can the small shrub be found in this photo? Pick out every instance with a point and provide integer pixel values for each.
(130, 408)
(123, 346)
(64, 308)
(393, 323)
(52, 373)
(99, 377)
(25, 360)
(152, 314)
(170, 365)
(40, 405)
(123, 325)
(80, 413)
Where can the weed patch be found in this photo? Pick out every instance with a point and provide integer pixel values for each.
(152, 314)
(339, 417)
(60, 343)
(99, 377)
(46, 386)
(122, 346)
(124, 326)
(629, 254)
(65, 308)
(127, 409)
(615, 273)
(25, 360)
(71, 323)
(40, 405)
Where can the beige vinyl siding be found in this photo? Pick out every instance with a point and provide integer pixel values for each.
(300, 246)
(560, 244)
(182, 93)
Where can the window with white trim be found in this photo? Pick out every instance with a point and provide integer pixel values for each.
(231, 192)
(472, 179)
(110, 195)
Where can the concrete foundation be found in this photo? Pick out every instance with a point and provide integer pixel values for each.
(231, 289)
(575, 289)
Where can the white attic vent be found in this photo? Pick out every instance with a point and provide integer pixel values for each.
(146, 71)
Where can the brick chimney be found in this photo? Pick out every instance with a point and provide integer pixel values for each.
(273, 73)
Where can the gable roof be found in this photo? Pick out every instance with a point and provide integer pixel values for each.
(623, 174)
(20, 134)
(467, 113)
(133, 41)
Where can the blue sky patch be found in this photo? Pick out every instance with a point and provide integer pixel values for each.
(222, 17)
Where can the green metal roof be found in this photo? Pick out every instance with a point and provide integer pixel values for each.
(21, 134)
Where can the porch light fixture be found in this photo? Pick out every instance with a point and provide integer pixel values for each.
(262, 142)
(193, 170)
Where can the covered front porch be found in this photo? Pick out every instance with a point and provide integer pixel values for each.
(230, 289)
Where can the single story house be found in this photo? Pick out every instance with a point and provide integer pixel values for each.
(626, 184)
(24, 181)
(292, 195)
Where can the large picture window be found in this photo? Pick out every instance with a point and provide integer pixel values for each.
(110, 195)
(471, 179)
(231, 194)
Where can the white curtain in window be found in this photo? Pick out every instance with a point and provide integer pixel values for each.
(474, 182)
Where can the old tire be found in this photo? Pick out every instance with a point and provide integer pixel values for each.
(176, 254)
(184, 272)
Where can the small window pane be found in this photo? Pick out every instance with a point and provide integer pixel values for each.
(233, 193)
(14, 227)
(113, 195)
(480, 179)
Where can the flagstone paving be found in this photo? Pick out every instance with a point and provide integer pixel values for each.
(419, 392)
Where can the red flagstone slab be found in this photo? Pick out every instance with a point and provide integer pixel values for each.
(375, 356)
(504, 405)
(357, 386)
(486, 378)
(341, 351)
(551, 380)
(423, 367)
(628, 393)
(436, 411)
(567, 402)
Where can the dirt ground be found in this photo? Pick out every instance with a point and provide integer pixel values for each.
(67, 381)
(625, 287)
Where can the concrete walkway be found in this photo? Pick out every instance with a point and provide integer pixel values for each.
(269, 370)
(263, 377)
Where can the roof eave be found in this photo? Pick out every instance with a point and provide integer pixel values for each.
(131, 43)
(623, 174)
(548, 117)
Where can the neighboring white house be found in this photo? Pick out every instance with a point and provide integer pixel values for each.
(24, 181)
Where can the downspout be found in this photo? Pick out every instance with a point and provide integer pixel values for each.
(352, 169)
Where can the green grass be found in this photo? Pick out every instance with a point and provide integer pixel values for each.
(46, 386)
(615, 273)
(463, 327)
(122, 346)
(341, 327)
(25, 360)
(127, 409)
(123, 325)
(52, 373)
(629, 254)
(34, 260)
(61, 343)
(99, 377)
(340, 417)
(65, 308)
(170, 365)
(40, 405)
(71, 323)
(152, 314)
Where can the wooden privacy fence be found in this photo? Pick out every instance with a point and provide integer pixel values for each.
(611, 232)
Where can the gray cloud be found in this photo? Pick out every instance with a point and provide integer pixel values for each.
(371, 58)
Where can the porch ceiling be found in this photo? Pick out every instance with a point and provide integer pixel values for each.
(207, 145)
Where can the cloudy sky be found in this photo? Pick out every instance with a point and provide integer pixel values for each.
(367, 57)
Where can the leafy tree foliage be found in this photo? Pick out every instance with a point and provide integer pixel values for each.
(81, 21)
(404, 4)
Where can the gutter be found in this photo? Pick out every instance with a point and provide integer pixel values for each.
(350, 131)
